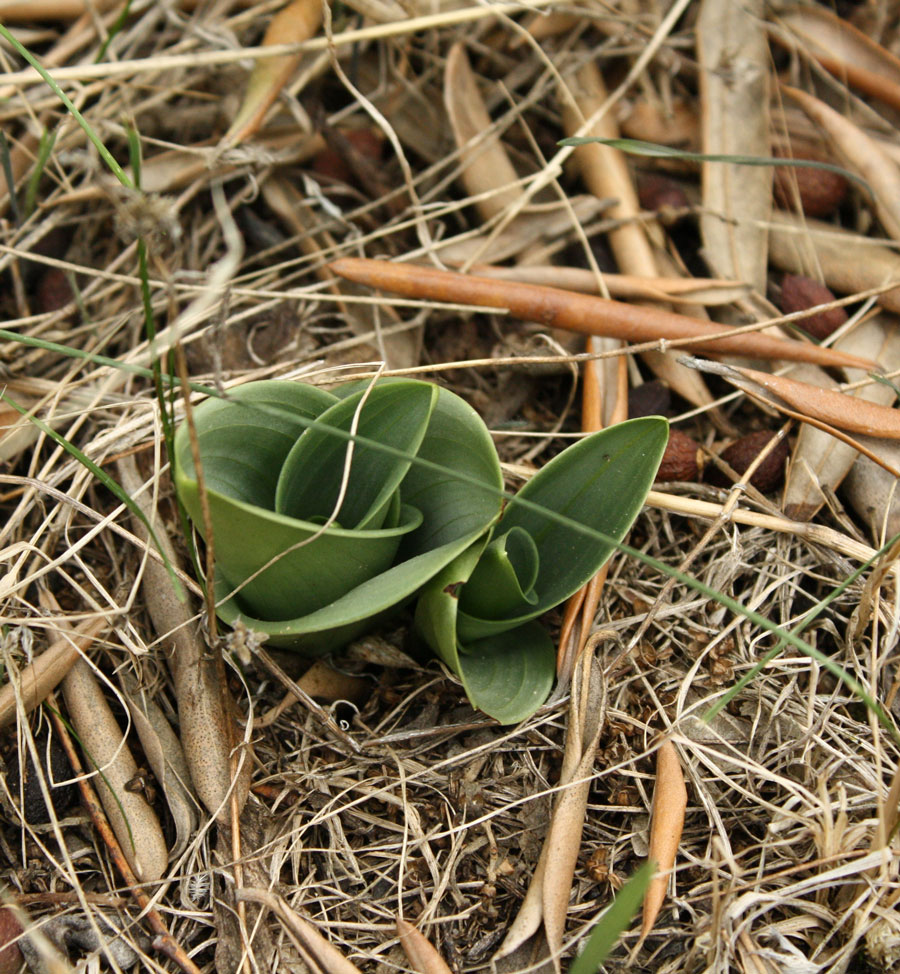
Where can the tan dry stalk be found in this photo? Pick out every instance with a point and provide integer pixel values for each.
(36, 681)
(847, 262)
(422, 956)
(861, 154)
(581, 608)
(547, 898)
(845, 51)
(814, 533)
(819, 459)
(606, 173)
(528, 231)
(734, 71)
(165, 756)
(296, 22)
(580, 312)
(313, 947)
(163, 941)
(176, 169)
(206, 730)
(134, 822)
(487, 172)
(666, 825)
(194, 60)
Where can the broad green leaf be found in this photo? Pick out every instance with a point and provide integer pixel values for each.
(270, 455)
(503, 580)
(394, 415)
(599, 482)
(289, 566)
(244, 447)
(438, 605)
(485, 599)
(452, 506)
(510, 674)
(614, 922)
(507, 675)
(416, 513)
(356, 612)
(286, 567)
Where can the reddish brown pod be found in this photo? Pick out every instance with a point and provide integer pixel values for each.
(819, 191)
(799, 293)
(10, 931)
(683, 459)
(347, 150)
(740, 454)
(662, 195)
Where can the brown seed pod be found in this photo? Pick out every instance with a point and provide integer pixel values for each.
(10, 931)
(661, 195)
(649, 399)
(819, 191)
(740, 454)
(683, 459)
(798, 293)
(54, 291)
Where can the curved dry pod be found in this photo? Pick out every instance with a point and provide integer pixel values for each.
(133, 820)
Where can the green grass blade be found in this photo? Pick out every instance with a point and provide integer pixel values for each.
(614, 922)
(45, 148)
(105, 154)
(95, 359)
(6, 163)
(652, 150)
(778, 648)
(115, 29)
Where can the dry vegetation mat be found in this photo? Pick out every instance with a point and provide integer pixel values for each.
(343, 626)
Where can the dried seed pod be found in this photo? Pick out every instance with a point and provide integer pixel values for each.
(10, 931)
(683, 459)
(740, 454)
(799, 293)
(662, 195)
(819, 191)
(649, 399)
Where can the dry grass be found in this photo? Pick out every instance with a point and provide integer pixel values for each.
(435, 813)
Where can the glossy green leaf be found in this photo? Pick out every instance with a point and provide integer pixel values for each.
(510, 674)
(600, 482)
(395, 415)
(330, 511)
(504, 578)
(274, 464)
(487, 599)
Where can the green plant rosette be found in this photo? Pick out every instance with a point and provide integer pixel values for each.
(314, 547)
(477, 613)
(273, 461)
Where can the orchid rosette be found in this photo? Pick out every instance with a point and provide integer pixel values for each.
(329, 510)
